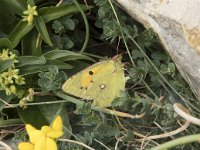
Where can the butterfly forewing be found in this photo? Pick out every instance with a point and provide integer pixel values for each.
(76, 85)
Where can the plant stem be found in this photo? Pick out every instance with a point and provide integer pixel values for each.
(87, 32)
(10, 122)
(178, 141)
(128, 51)
(96, 108)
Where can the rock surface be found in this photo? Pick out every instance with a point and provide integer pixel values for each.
(177, 23)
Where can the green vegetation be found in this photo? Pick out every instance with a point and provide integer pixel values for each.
(43, 43)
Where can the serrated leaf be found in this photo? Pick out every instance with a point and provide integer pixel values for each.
(106, 130)
(58, 27)
(171, 67)
(85, 108)
(69, 24)
(89, 120)
(67, 43)
(41, 27)
(120, 100)
(51, 80)
(136, 54)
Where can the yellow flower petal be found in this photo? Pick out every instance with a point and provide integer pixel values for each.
(36, 136)
(41, 144)
(25, 146)
(51, 144)
(35, 13)
(55, 134)
(57, 123)
(29, 7)
(46, 129)
(46, 144)
(29, 128)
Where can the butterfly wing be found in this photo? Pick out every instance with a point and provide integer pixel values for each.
(79, 84)
(101, 82)
(108, 85)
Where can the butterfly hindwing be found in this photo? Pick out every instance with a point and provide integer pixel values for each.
(108, 85)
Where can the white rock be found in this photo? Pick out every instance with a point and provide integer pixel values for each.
(177, 23)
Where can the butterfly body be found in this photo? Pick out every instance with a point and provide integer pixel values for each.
(101, 82)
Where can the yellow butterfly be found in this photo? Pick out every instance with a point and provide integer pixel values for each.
(101, 82)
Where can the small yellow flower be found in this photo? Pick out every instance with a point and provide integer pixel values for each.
(31, 10)
(8, 91)
(55, 130)
(10, 77)
(25, 146)
(20, 80)
(13, 89)
(5, 55)
(29, 14)
(43, 139)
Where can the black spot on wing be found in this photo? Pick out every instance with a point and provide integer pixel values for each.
(91, 72)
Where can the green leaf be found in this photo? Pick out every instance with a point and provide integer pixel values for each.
(87, 138)
(120, 101)
(90, 120)
(67, 43)
(136, 54)
(32, 115)
(171, 67)
(69, 24)
(51, 111)
(33, 47)
(30, 60)
(47, 14)
(5, 44)
(51, 80)
(18, 32)
(40, 25)
(4, 99)
(5, 64)
(30, 69)
(17, 6)
(129, 136)
(57, 26)
(31, 2)
(65, 55)
(106, 130)
(83, 109)
(52, 13)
